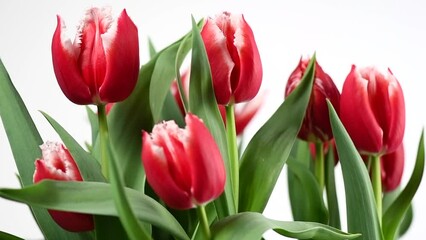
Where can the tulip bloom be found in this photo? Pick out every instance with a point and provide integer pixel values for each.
(392, 169)
(234, 58)
(372, 110)
(316, 124)
(102, 65)
(183, 166)
(57, 164)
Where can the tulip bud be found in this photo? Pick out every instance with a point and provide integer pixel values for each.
(234, 58)
(392, 169)
(102, 65)
(57, 164)
(183, 166)
(372, 110)
(316, 124)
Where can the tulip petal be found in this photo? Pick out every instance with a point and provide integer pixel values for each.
(122, 59)
(392, 169)
(244, 115)
(65, 65)
(159, 177)
(357, 115)
(208, 168)
(250, 77)
(220, 60)
(395, 132)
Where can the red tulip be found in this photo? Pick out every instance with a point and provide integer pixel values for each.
(234, 58)
(392, 169)
(244, 112)
(316, 124)
(183, 166)
(102, 65)
(58, 164)
(372, 110)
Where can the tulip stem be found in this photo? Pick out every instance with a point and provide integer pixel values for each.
(204, 221)
(319, 164)
(231, 134)
(376, 178)
(103, 135)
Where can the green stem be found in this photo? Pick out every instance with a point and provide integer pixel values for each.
(204, 222)
(319, 164)
(110, 170)
(104, 138)
(231, 134)
(376, 179)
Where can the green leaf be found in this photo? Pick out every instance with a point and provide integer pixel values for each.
(251, 225)
(360, 204)
(151, 48)
(7, 236)
(330, 187)
(395, 213)
(93, 198)
(202, 102)
(89, 167)
(24, 141)
(261, 166)
(306, 198)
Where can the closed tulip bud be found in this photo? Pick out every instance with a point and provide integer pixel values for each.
(183, 166)
(372, 110)
(234, 58)
(57, 164)
(392, 169)
(316, 124)
(102, 64)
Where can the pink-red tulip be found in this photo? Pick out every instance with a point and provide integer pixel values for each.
(102, 64)
(372, 110)
(392, 169)
(57, 164)
(316, 124)
(183, 166)
(244, 112)
(234, 58)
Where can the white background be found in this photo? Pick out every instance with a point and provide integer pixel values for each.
(385, 33)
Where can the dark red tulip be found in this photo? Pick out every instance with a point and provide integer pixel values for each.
(316, 124)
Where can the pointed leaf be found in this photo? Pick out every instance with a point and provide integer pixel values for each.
(93, 198)
(361, 210)
(330, 187)
(250, 225)
(24, 141)
(307, 196)
(7, 236)
(261, 166)
(395, 213)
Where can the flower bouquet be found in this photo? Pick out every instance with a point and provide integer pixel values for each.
(166, 158)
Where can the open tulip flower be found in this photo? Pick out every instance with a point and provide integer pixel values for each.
(102, 64)
(183, 166)
(234, 58)
(372, 110)
(58, 164)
